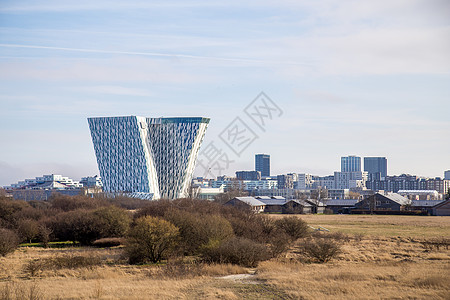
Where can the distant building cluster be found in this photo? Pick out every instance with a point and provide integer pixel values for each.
(379, 203)
(55, 181)
(41, 188)
(347, 190)
(351, 182)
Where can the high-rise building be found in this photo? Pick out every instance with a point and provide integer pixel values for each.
(286, 181)
(447, 175)
(262, 164)
(147, 155)
(248, 175)
(351, 164)
(376, 167)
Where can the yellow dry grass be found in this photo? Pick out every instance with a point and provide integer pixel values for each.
(382, 225)
(384, 264)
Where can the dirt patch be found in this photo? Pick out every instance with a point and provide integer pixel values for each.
(243, 278)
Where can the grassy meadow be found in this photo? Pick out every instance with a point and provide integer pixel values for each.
(382, 257)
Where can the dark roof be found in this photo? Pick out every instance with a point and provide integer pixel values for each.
(428, 203)
(341, 202)
(301, 202)
(273, 201)
(395, 197)
(314, 202)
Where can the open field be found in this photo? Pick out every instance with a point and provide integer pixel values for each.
(382, 225)
(388, 261)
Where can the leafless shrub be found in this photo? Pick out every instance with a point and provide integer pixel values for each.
(179, 270)
(294, 227)
(36, 266)
(279, 242)
(21, 291)
(358, 237)
(239, 251)
(8, 241)
(337, 236)
(320, 250)
(108, 242)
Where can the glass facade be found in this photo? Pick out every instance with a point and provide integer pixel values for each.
(351, 164)
(262, 164)
(147, 155)
(376, 167)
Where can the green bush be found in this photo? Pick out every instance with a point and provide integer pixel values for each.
(9, 241)
(151, 239)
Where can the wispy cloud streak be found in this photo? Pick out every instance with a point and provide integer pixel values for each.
(156, 54)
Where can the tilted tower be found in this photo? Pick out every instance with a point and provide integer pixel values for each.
(148, 155)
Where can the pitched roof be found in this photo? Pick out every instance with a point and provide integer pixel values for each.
(396, 198)
(273, 201)
(315, 202)
(427, 203)
(301, 202)
(250, 201)
(341, 202)
(263, 197)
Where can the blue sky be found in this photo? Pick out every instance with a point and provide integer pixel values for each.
(369, 78)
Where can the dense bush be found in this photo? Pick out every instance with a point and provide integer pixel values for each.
(155, 209)
(112, 221)
(69, 203)
(319, 249)
(151, 239)
(8, 241)
(294, 227)
(197, 231)
(77, 226)
(86, 226)
(8, 210)
(203, 226)
(28, 229)
(239, 251)
(278, 242)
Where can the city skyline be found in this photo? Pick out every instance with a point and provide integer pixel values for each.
(362, 78)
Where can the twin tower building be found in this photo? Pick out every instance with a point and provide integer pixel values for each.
(147, 155)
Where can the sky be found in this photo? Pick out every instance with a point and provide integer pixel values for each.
(365, 78)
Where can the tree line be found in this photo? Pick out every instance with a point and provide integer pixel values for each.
(150, 231)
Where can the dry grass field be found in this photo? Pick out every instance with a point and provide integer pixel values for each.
(384, 257)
